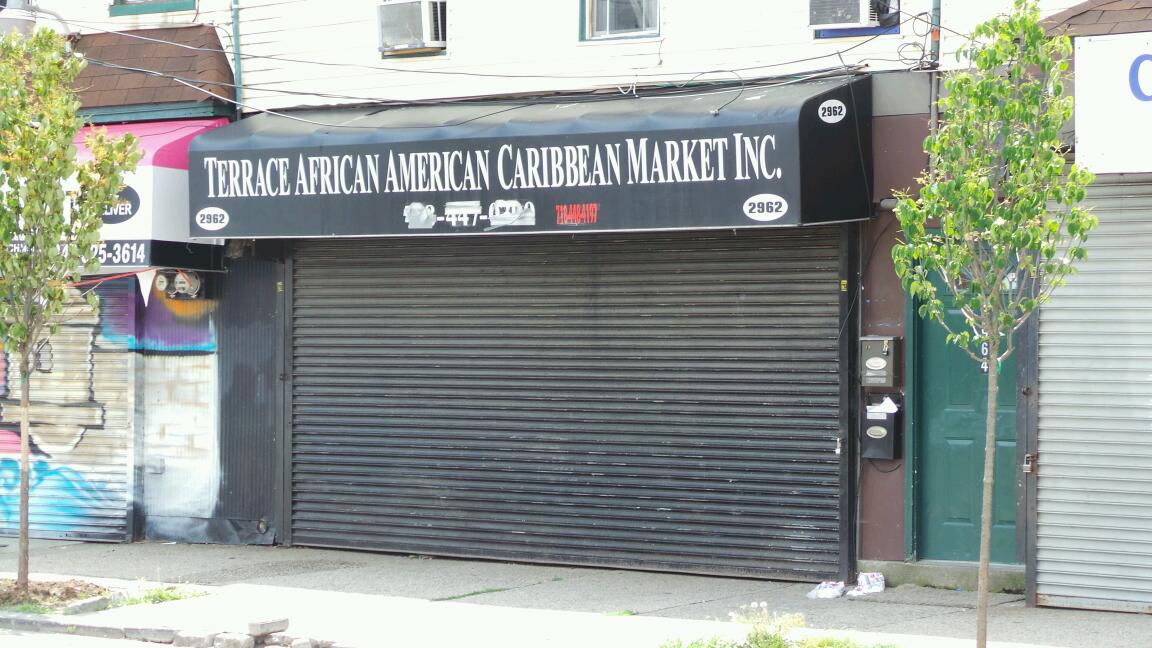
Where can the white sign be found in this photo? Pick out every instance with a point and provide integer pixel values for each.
(1114, 103)
(832, 111)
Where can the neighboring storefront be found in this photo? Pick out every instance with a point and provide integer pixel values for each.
(604, 332)
(1093, 460)
(125, 405)
(85, 402)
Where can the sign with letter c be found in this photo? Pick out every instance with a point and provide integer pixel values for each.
(1134, 77)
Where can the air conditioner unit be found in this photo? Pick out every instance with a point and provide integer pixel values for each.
(17, 16)
(842, 14)
(413, 26)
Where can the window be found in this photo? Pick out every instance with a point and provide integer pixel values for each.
(131, 7)
(613, 18)
(412, 27)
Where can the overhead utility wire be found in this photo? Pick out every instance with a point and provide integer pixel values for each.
(296, 118)
(668, 91)
(381, 68)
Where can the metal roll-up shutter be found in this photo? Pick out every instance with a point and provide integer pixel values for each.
(1094, 481)
(663, 401)
(81, 392)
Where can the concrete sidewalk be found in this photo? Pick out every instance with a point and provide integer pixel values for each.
(372, 600)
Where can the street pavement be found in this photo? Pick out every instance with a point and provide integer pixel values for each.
(371, 600)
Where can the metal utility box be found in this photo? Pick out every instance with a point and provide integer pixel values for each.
(879, 361)
(880, 427)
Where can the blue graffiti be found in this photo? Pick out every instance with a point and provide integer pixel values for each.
(61, 498)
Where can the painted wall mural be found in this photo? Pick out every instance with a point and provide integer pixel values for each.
(80, 421)
(118, 384)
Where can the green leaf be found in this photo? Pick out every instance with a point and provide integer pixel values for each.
(995, 169)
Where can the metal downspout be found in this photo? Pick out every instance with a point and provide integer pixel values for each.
(237, 73)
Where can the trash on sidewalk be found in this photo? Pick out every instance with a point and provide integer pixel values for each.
(868, 583)
(827, 590)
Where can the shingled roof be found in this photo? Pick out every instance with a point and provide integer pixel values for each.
(102, 85)
(1097, 17)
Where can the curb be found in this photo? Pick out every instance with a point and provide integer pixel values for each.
(157, 635)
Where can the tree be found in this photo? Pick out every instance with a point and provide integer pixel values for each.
(1006, 205)
(50, 208)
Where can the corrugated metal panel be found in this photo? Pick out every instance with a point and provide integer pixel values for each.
(81, 420)
(661, 401)
(1094, 485)
(250, 324)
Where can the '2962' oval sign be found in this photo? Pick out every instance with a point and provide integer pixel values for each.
(765, 207)
(211, 218)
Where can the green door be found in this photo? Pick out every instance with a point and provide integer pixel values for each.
(952, 394)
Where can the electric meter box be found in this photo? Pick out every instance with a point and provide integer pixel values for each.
(880, 361)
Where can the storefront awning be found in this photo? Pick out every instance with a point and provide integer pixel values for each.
(148, 226)
(790, 154)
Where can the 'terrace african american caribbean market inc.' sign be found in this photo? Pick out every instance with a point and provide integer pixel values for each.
(775, 156)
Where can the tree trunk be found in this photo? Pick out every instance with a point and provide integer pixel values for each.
(986, 502)
(25, 476)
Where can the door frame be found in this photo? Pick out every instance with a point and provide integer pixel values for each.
(911, 429)
(1027, 381)
(851, 309)
(284, 477)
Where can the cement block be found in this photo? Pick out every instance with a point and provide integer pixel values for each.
(302, 643)
(85, 606)
(154, 635)
(267, 627)
(945, 574)
(193, 640)
(233, 640)
(279, 639)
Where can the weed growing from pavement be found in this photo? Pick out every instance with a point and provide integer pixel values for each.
(769, 630)
(621, 613)
(490, 590)
(156, 595)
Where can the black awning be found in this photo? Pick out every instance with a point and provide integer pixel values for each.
(789, 154)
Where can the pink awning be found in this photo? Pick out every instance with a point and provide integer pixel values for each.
(165, 144)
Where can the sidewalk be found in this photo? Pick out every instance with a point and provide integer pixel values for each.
(371, 600)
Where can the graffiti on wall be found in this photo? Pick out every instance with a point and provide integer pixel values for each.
(108, 374)
(79, 430)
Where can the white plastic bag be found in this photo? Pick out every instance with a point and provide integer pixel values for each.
(868, 583)
(827, 590)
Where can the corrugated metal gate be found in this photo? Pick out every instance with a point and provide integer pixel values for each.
(1094, 483)
(82, 399)
(663, 401)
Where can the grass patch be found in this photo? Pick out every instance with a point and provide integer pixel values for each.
(769, 630)
(154, 596)
(621, 613)
(490, 590)
(771, 640)
(27, 607)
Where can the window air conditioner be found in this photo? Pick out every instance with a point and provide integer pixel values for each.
(17, 16)
(413, 26)
(842, 14)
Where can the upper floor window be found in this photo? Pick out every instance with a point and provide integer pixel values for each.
(611, 18)
(130, 7)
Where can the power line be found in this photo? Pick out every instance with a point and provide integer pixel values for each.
(380, 68)
(289, 116)
(665, 91)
